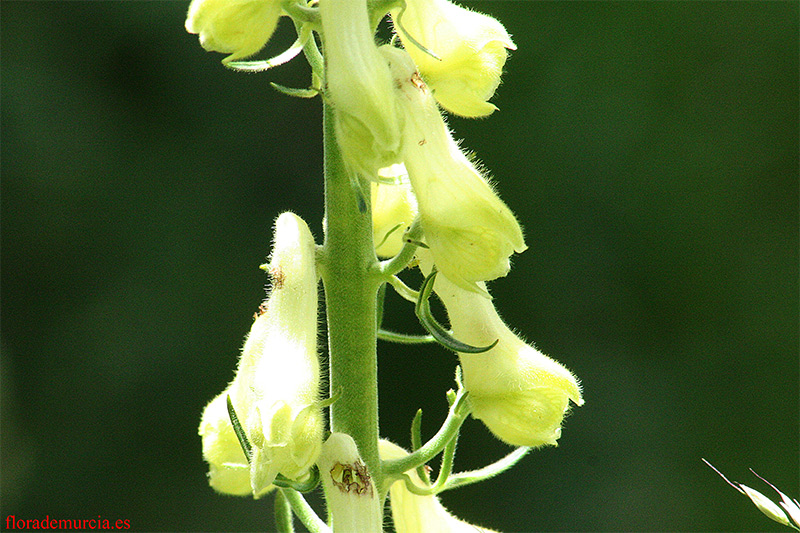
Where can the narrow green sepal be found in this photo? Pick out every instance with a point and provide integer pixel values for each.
(292, 91)
(439, 333)
(244, 442)
(416, 443)
(416, 431)
(404, 338)
(388, 233)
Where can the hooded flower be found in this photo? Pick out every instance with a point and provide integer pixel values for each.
(471, 48)
(275, 390)
(470, 231)
(359, 85)
(518, 392)
(236, 27)
(419, 514)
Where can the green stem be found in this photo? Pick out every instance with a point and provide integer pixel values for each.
(498, 467)
(395, 265)
(304, 512)
(351, 279)
(404, 338)
(283, 514)
(459, 411)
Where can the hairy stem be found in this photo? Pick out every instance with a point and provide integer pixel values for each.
(351, 280)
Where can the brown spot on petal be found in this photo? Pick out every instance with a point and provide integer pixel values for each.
(351, 478)
(278, 277)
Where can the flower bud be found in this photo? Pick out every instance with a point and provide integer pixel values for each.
(412, 513)
(237, 27)
(359, 86)
(393, 205)
(471, 47)
(518, 392)
(276, 387)
(470, 231)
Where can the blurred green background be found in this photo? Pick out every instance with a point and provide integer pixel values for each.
(650, 149)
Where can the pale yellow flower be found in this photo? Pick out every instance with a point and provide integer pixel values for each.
(471, 48)
(236, 27)
(518, 392)
(470, 231)
(275, 391)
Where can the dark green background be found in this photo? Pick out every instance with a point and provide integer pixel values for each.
(650, 149)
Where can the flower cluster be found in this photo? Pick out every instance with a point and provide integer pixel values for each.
(275, 391)
(469, 230)
(386, 104)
